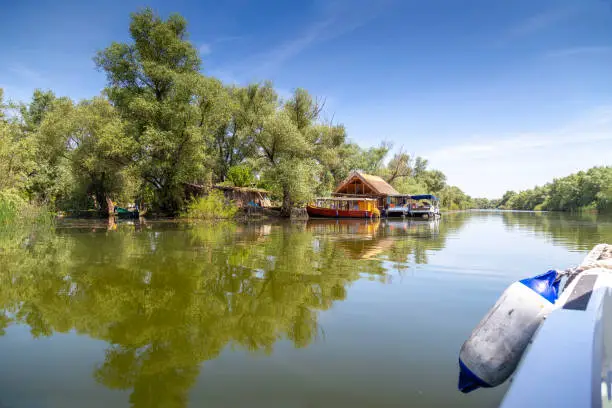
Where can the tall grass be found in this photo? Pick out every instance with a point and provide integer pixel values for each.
(214, 206)
(15, 211)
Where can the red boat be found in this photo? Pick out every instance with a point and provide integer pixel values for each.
(343, 207)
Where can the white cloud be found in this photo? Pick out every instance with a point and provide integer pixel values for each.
(488, 166)
(205, 49)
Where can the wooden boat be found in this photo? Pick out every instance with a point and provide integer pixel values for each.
(343, 207)
(125, 213)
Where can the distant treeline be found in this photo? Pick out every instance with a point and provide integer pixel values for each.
(160, 124)
(585, 190)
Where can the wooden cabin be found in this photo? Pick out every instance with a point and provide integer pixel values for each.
(359, 184)
(246, 196)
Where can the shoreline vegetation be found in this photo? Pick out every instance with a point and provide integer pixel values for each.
(161, 125)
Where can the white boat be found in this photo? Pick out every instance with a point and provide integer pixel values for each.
(569, 362)
(563, 348)
(424, 205)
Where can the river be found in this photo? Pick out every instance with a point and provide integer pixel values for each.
(317, 314)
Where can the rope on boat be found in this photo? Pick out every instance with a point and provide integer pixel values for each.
(599, 257)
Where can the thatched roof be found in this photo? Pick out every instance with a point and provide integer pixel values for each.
(375, 183)
(241, 189)
(200, 187)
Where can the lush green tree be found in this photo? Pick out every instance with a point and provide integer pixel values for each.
(506, 198)
(243, 111)
(285, 157)
(435, 180)
(583, 190)
(452, 198)
(420, 166)
(93, 138)
(241, 176)
(155, 84)
(32, 114)
(16, 153)
(372, 160)
(400, 166)
(411, 185)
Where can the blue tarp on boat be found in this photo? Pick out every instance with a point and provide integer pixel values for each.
(424, 197)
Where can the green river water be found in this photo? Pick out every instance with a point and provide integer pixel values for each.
(319, 314)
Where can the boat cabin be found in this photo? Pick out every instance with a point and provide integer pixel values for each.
(343, 207)
(419, 205)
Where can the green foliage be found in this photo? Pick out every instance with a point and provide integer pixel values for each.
(410, 185)
(16, 211)
(155, 84)
(434, 180)
(371, 160)
(213, 206)
(453, 198)
(579, 191)
(240, 176)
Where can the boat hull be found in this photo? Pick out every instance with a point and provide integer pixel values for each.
(396, 214)
(333, 213)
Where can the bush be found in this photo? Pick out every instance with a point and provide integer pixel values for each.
(240, 176)
(10, 203)
(214, 206)
(14, 210)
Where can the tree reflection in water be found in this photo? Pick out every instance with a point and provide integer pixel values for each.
(167, 296)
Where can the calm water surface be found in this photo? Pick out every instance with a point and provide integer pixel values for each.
(319, 314)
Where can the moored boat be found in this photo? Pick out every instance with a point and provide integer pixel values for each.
(424, 205)
(343, 207)
(125, 213)
(557, 329)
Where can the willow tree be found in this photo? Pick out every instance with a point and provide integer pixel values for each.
(92, 138)
(155, 84)
(286, 159)
(242, 115)
(16, 152)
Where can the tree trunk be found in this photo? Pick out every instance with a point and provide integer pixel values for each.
(287, 204)
(104, 204)
(110, 206)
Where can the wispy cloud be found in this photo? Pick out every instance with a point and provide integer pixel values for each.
(488, 165)
(584, 50)
(205, 49)
(228, 38)
(540, 22)
(337, 18)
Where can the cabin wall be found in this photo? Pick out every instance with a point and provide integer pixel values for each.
(355, 186)
(243, 198)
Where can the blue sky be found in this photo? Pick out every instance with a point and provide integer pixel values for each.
(497, 94)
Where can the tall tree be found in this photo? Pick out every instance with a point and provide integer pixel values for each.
(244, 112)
(435, 180)
(92, 137)
(16, 152)
(399, 166)
(156, 85)
(285, 158)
